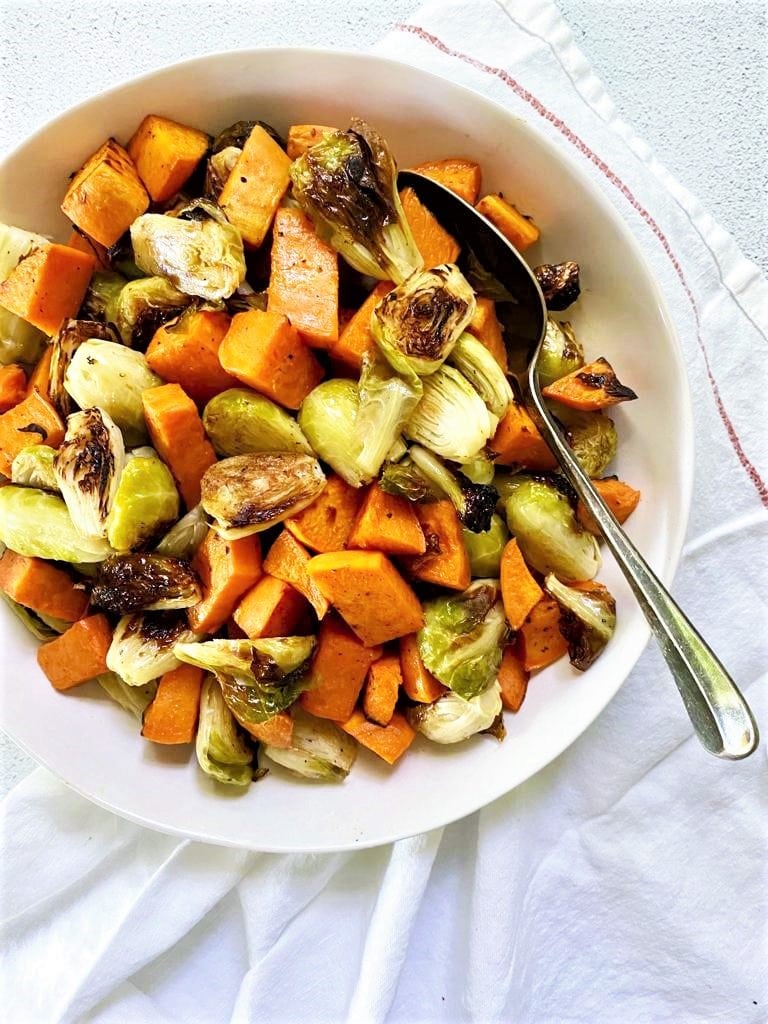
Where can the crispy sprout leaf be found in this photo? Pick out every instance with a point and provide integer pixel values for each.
(221, 751)
(319, 749)
(88, 467)
(588, 621)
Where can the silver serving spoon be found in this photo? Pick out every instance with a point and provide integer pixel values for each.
(721, 717)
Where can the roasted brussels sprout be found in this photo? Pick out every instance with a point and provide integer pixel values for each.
(101, 300)
(417, 324)
(240, 422)
(588, 620)
(33, 467)
(144, 582)
(480, 470)
(219, 167)
(236, 135)
(245, 299)
(347, 183)
(20, 342)
(473, 359)
(38, 524)
(328, 418)
(72, 334)
(484, 549)
(198, 250)
(559, 283)
(144, 305)
(142, 645)
(42, 627)
(183, 539)
(319, 749)
(451, 419)
(406, 480)
(452, 719)
(88, 467)
(112, 377)
(387, 401)
(133, 699)
(249, 493)
(506, 483)
(145, 504)
(550, 537)
(120, 258)
(475, 503)
(561, 353)
(221, 751)
(460, 641)
(591, 435)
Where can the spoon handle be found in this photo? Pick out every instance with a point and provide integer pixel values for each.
(720, 716)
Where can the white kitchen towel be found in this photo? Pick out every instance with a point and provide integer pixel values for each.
(626, 882)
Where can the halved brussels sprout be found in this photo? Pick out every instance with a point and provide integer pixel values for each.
(39, 525)
(559, 283)
(145, 504)
(460, 641)
(198, 250)
(550, 537)
(347, 183)
(144, 305)
(387, 402)
(452, 719)
(144, 582)
(474, 503)
(237, 135)
(240, 422)
(249, 493)
(112, 377)
(482, 371)
(319, 749)
(42, 627)
(133, 699)
(102, 298)
(142, 645)
(451, 419)
(20, 342)
(591, 435)
(72, 334)
(484, 549)
(219, 167)
(480, 470)
(33, 467)
(406, 480)
(88, 468)
(221, 751)
(561, 352)
(588, 620)
(246, 298)
(417, 324)
(327, 418)
(183, 539)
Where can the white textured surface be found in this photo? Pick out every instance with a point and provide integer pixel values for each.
(691, 76)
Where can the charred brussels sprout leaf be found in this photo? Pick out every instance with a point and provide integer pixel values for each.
(319, 750)
(101, 299)
(185, 537)
(347, 183)
(591, 435)
(485, 549)
(406, 480)
(451, 419)
(88, 467)
(473, 359)
(550, 537)
(133, 699)
(72, 334)
(142, 645)
(144, 582)
(561, 353)
(39, 525)
(452, 719)
(460, 641)
(559, 283)
(145, 504)
(240, 422)
(33, 467)
(475, 503)
(221, 751)
(198, 250)
(249, 493)
(417, 324)
(588, 620)
(219, 167)
(143, 306)
(328, 418)
(387, 401)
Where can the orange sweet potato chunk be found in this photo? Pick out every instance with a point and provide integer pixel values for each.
(187, 353)
(48, 286)
(78, 655)
(106, 195)
(172, 715)
(339, 667)
(388, 523)
(389, 742)
(165, 154)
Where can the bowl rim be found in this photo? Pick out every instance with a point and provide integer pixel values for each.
(676, 527)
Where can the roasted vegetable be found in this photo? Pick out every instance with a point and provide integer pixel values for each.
(591, 435)
(386, 522)
(406, 480)
(144, 305)
(476, 363)
(249, 493)
(33, 467)
(559, 283)
(42, 627)
(328, 419)
(445, 562)
(552, 541)
(236, 135)
(165, 154)
(88, 467)
(452, 719)
(460, 642)
(474, 503)
(142, 645)
(591, 387)
(517, 227)
(417, 324)
(484, 549)
(561, 353)
(588, 620)
(198, 250)
(177, 433)
(144, 582)
(78, 655)
(255, 186)
(479, 470)
(38, 524)
(219, 167)
(347, 184)
(145, 504)
(221, 750)
(387, 402)
(101, 299)
(319, 750)
(451, 419)
(133, 699)
(112, 377)
(183, 539)
(47, 285)
(72, 334)
(240, 422)
(20, 342)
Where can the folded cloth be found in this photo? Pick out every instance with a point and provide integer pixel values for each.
(625, 882)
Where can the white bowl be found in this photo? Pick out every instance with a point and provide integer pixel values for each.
(92, 744)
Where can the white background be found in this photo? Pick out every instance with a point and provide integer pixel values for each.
(691, 75)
